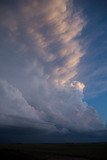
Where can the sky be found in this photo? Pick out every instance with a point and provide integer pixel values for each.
(53, 70)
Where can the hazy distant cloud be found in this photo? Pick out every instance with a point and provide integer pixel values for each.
(13, 104)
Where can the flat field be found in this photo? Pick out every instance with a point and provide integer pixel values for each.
(87, 151)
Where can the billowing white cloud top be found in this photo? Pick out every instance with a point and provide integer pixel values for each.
(78, 85)
(61, 109)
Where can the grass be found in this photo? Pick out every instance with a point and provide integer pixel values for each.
(91, 151)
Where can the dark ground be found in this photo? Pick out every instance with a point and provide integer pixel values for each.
(92, 151)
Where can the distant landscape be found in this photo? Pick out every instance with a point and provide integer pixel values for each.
(79, 151)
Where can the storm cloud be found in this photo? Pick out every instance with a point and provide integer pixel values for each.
(41, 50)
(60, 109)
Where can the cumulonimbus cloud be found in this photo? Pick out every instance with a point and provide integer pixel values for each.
(60, 109)
(45, 62)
